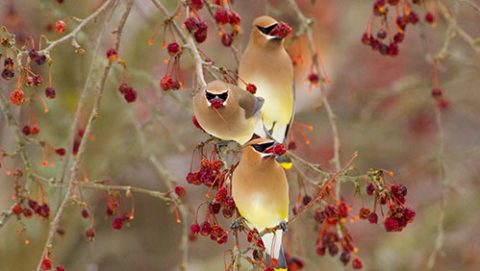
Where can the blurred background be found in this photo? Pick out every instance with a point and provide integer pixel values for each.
(384, 111)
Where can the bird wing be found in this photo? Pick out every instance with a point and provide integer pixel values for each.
(250, 103)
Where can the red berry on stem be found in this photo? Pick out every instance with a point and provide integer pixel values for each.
(180, 191)
(357, 264)
(60, 151)
(17, 97)
(46, 264)
(373, 218)
(60, 26)
(429, 18)
(251, 88)
(173, 49)
(112, 54)
(50, 92)
(227, 39)
(90, 233)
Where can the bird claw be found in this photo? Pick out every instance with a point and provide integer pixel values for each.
(238, 224)
(283, 226)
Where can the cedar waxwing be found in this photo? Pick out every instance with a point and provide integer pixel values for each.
(267, 65)
(260, 192)
(227, 111)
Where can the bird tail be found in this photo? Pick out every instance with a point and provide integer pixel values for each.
(273, 249)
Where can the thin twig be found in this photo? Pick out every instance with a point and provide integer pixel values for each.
(453, 23)
(190, 44)
(77, 160)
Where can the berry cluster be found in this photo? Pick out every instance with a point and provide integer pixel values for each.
(328, 218)
(31, 130)
(211, 175)
(172, 80)
(32, 207)
(40, 59)
(224, 15)
(387, 40)
(47, 265)
(128, 92)
(113, 209)
(393, 196)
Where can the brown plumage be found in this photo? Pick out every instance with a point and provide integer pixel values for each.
(260, 191)
(227, 111)
(267, 64)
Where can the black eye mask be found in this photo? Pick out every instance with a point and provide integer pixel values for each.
(262, 146)
(223, 96)
(266, 30)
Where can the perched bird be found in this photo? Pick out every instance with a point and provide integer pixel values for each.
(227, 111)
(260, 192)
(266, 64)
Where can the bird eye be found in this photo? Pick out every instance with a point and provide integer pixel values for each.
(262, 146)
(209, 95)
(266, 30)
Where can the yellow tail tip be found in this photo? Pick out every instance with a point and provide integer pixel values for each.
(287, 166)
(280, 269)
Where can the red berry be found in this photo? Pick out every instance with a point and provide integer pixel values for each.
(306, 199)
(190, 24)
(60, 268)
(214, 208)
(44, 210)
(27, 213)
(180, 191)
(173, 49)
(123, 88)
(364, 213)
(234, 18)
(90, 233)
(26, 130)
(227, 39)
(195, 4)
(17, 209)
(195, 228)
(366, 39)
(60, 151)
(436, 93)
(17, 97)
(413, 18)
(206, 229)
(251, 88)
(429, 18)
(357, 264)
(345, 257)
(112, 54)
(221, 17)
(50, 92)
(343, 209)
(370, 189)
(117, 223)
(85, 213)
(313, 77)
(130, 95)
(34, 129)
(373, 218)
(38, 80)
(60, 26)
(398, 38)
(399, 190)
(46, 264)
(391, 224)
(200, 35)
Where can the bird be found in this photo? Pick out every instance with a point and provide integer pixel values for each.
(266, 64)
(261, 194)
(226, 111)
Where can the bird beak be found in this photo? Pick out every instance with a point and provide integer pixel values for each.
(278, 149)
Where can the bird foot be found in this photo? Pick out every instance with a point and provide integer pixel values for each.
(238, 224)
(283, 226)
